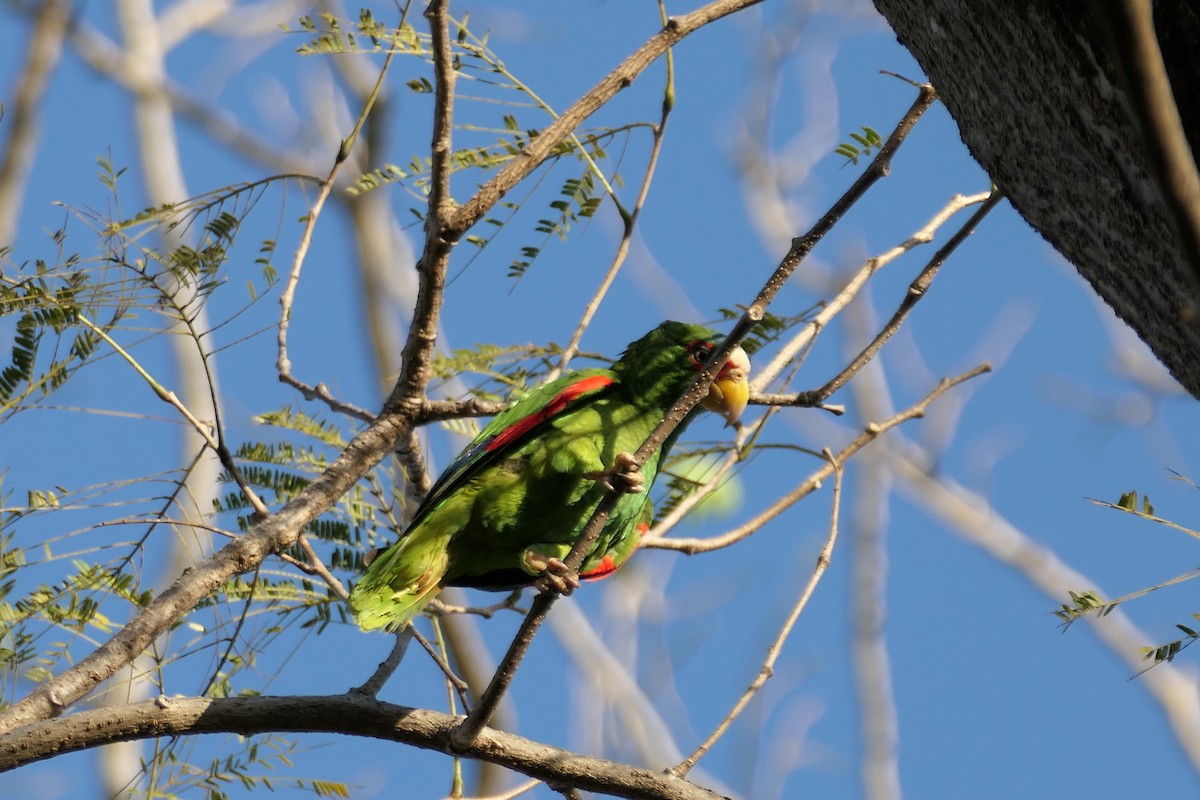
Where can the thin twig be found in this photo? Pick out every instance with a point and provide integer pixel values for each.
(714, 481)
(169, 397)
(440, 608)
(283, 364)
(233, 637)
(814, 482)
(317, 567)
(803, 340)
(511, 794)
(458, 683)
(768, 665)
(676, 29)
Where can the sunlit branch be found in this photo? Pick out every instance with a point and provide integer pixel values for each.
(511, 794)
(440, 607)
(804, 338)
(169, 397)
(916, 290)
(540, 148)
(313, 565)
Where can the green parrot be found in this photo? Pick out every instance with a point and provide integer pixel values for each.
(511, 505)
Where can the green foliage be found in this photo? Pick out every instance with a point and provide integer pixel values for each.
(256, 764)
(864, 143)
(508, 372)
(1089, 603)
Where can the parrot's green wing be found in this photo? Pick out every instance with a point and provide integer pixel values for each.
(511, 428)
(401, 580)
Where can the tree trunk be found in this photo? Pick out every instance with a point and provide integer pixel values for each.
(1045, 108)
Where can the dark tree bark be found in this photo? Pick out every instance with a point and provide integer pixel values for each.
(1043, 97)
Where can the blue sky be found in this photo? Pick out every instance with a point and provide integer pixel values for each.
(992, 699)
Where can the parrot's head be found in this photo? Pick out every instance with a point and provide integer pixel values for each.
(664, 362)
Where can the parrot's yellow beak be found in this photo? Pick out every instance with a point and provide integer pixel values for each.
(730, 391)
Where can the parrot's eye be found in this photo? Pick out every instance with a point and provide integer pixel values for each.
(700, 352)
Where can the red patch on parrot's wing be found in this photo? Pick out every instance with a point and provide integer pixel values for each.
(559, 402)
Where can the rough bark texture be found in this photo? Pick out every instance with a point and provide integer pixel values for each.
(1032, 88)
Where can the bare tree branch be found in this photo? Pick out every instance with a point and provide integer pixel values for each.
(242, 554)
(628, 220)
(916, 290)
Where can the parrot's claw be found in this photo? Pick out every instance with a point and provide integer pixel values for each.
(623, 476)
(556, 576)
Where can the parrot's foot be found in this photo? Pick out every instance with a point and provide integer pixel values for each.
(623, 476)
(556, 576)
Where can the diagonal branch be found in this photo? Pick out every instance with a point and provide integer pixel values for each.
(872, 432)
(916, 290)
(273, 534)
(676, 29)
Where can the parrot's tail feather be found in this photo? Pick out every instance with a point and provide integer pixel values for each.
(398, 584)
